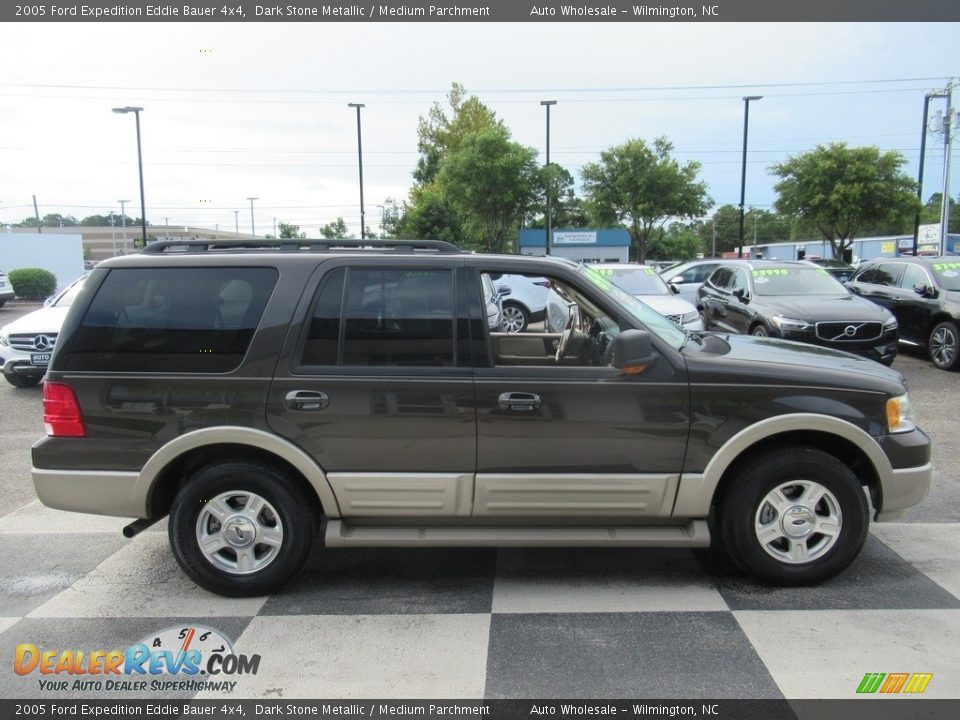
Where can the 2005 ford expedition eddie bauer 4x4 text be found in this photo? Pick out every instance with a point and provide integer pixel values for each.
(258, 393)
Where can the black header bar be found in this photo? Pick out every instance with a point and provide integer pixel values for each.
(613, 11)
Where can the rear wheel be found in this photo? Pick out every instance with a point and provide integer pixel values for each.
(944, 345)
(795, 516)
(514, 319)
(241, 529)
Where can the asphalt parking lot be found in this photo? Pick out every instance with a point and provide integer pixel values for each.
(513, 623)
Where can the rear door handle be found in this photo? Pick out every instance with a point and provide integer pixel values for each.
(519, 401)
(306, 400)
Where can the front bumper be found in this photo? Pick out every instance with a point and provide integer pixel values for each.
(908, 481)
(882, 349)
(19, 362)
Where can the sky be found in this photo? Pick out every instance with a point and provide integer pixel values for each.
(233, 111)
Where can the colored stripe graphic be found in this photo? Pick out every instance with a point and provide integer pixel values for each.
(870, 682)
(894, 682)
(918, 682)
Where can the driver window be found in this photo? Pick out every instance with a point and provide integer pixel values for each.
(542, 321)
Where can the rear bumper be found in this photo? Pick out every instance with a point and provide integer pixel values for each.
(86, 491)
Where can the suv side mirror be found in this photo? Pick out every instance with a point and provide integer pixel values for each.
(924, 290)
(741, 295)
(676, 280)
(633, 351)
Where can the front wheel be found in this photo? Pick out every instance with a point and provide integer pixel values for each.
(760, 331)
(944, 345)
(241, 529)
(796, 516)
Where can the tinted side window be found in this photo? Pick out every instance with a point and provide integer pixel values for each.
(740, 281)
(171, 320)
(399, 317)
(323, 338)
(882, 274)
(913, 275)
(721, 278)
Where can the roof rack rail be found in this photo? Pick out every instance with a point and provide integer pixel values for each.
(161, 247)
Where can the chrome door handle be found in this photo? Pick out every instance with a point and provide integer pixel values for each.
(306, 400)
(519, 401)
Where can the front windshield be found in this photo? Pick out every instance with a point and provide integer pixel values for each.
(948, 274)
(68, 296)
(796, 281)
(651, 319)
(636, 280)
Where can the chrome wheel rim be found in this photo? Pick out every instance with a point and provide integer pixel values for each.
(943, 346)
(798, 522)
(239, 532)
(512, 319)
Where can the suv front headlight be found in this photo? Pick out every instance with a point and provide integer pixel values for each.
(891, 324)
(689, 317)
(789, 324)
(4, 341)
(900, 414)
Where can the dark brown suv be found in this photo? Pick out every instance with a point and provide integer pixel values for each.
(266, 394)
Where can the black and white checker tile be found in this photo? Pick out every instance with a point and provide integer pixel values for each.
(509, 623)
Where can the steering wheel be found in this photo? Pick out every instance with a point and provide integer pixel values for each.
(566, 334)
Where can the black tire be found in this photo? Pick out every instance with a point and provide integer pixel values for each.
(944, 345)
(741, 508)
(516, 315)
(293, 510)
(22, 381)
(759, 330)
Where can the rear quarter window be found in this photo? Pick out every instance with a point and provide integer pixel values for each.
(197, 320)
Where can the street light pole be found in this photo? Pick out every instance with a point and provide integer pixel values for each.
(143, 211)
(947, 147)
(363, 222)
(253, 231)
(743, 165)
(549, 238)
(923, 150)
(236, 223)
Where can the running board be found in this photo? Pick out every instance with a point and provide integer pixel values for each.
(691, 534)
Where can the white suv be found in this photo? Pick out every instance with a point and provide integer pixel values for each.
(6, 289)
(26, 344)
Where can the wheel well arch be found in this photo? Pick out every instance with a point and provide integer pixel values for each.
(171, 478)
(938, 318)
(166, 470)
(843, 449)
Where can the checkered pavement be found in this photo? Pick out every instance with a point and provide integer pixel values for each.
(508, 623)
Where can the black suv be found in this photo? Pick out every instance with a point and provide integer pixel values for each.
(795, 300)
(924, 294)
(263, 395)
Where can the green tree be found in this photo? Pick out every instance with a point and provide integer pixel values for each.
(287, 230)
(930, 213)
(490, 181)
(431, 218)
(841, 191)
(568, 210)
(675, 242)
(643, 186)
(335, 230)
(442, 132)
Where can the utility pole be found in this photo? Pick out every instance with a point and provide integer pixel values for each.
(947, 147)
(236, 222)
(253, 231)
(549, 218)
(36, 213)
(743, 164)
(363, 222)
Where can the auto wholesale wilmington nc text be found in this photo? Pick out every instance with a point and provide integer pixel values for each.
(653, 11)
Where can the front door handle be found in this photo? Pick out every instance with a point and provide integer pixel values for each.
(519, 401)
(306, 400)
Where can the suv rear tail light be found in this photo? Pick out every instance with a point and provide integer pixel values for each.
(61, 411)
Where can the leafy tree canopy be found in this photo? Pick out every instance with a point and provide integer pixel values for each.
(335, 230)
(442, 132)
(491, 182)
(643, 186)
(841, 191)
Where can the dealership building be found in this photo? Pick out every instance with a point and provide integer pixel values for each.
(586, 245)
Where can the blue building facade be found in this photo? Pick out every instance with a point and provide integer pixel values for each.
(581, 244)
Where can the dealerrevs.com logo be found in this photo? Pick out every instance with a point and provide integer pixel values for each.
(191, 658)
(894, 683)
